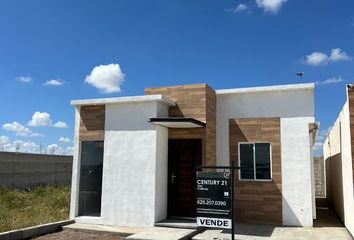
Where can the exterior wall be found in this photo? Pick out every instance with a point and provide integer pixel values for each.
(337, 151)
(128, 199)
(319, 177)
(75, 179)
(350, 96)
(258, 201)
(24, 170)
(284, 104)
(296, 110)
(133, 148)
(195, 101)
(297, 171)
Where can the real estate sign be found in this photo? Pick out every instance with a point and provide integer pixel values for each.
(214, 200)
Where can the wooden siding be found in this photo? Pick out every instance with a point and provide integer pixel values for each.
(210, 129)
(92, 120)
(196, 101)
(258, 201)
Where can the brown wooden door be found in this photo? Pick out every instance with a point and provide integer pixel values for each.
(183, 157)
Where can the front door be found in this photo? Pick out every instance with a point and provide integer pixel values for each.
(183, 157)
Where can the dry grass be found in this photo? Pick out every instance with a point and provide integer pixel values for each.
(20, 209)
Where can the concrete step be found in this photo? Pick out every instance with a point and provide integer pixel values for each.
(163, 233)
(177, 223)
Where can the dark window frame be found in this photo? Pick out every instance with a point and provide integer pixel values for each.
(255, 179)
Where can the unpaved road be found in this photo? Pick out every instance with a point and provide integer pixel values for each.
(69, 234)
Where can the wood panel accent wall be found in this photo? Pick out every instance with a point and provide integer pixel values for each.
(256, 201)
(190, 100)
(351, 116)
(92, 119)
(210, 128)
(196, 101)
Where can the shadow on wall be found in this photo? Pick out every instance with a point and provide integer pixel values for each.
(334, 180)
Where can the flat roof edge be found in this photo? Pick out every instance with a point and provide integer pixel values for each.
(287, 87)
(121, 100)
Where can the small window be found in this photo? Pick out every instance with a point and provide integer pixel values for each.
(255, 161)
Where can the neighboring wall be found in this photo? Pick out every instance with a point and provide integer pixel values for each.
(295, 108)
(319, 177)
(337, 151)
(23, 170)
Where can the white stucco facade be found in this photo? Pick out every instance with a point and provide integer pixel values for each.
(134, 183)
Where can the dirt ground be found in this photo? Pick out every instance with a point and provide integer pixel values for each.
(79, 235)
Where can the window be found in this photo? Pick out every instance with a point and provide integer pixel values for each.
(255, 161)
(90, 188)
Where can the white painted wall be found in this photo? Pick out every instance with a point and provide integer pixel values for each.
(135, 163)
(297, 189)
(134, 184)
(296, 110)
(74, 198)
(339, 142)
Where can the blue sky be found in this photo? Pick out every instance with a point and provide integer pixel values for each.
(49, 48)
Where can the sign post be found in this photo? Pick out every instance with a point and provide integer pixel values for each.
(215, 198)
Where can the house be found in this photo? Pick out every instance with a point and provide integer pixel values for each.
(135, 157)
(338, 152)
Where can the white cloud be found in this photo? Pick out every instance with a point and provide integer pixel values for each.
(64, 140)
(17, 128)
(40, 119)
(54, 83)
(60, 124)
(320, 58)
(338, 55)
(4, 143)
(53, 148)
(56, 149)
(270, 6)
(333, 80)
(21, 146)
(69, 151)
(316, 59)
(239, 8)
(106, 78)
(24, 79)
(318, 147)
(37, 135)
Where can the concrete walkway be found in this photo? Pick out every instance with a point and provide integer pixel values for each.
(150, 233)
(291, 233)
(122, 231)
